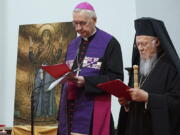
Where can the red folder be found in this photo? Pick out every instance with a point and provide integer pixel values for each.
(116, 88)
(56, 70)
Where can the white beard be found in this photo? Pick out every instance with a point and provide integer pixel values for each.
(146, 65)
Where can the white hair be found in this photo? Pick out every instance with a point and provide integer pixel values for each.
(146, 65)
(91, 13)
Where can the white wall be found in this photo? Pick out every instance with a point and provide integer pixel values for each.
(166, 10)
(2, 46)
(114, 16)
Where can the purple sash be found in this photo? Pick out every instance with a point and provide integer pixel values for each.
(85, 107)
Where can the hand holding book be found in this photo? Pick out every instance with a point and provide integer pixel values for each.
(116, 88)
(63, 73)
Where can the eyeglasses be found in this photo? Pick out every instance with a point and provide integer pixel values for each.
(81, 23)
(144, 44)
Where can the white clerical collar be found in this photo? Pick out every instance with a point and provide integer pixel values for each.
(86, 38)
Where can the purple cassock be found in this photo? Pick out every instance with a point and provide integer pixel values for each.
(87, 109)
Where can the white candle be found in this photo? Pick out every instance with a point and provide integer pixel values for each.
(3, 132)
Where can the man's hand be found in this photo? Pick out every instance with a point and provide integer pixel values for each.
(123, 101)
(79, 80)
(138, 95)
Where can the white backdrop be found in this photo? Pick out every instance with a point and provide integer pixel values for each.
(2, 43)
(114, 16)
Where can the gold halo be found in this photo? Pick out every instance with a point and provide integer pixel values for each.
(46, 27)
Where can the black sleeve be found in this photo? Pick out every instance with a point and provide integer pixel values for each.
(111, 68)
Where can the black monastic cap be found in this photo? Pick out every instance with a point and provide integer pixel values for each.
(144, 26)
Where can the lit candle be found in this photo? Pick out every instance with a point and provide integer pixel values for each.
(3, 132)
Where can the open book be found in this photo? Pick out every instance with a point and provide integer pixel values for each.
(116, 88)
(60, 72)
(56, 70)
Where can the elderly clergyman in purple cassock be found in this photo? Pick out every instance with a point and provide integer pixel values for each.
(84, 108)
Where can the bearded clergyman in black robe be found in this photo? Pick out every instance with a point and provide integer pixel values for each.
(155, 105)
